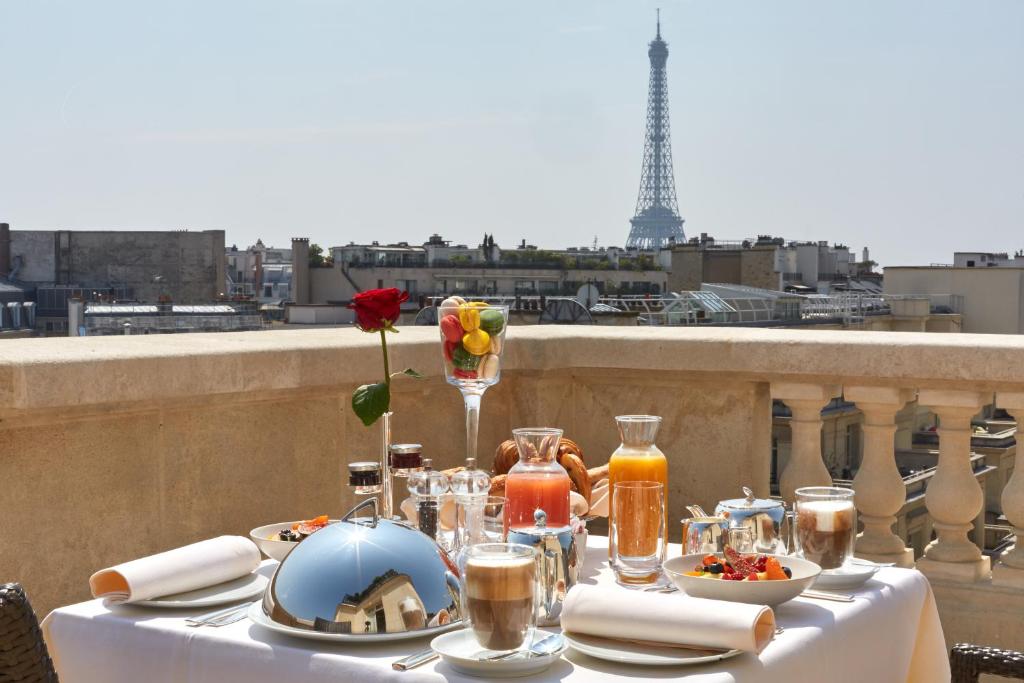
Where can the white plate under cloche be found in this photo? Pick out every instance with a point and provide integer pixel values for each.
(647, 655)
(846, 578)
(258, 617)
(243, 588)
(461, 651)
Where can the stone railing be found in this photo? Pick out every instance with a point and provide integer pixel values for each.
(121, 446)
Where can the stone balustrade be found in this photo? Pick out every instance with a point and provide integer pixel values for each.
(120, 446)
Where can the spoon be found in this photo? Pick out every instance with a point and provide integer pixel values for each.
(545, 646)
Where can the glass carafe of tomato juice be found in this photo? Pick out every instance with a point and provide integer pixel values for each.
(537, 480)
(638, 459)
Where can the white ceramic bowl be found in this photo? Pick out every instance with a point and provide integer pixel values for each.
(769, 593)
(265, 538)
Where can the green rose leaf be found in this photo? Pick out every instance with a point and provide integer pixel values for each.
(370, 401)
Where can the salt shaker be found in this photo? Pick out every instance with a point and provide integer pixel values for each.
(470, 487)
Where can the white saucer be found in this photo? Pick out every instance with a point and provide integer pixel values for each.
(461, 651)
(847, 578)
(258, 617)
(638, 653)
(236, 590)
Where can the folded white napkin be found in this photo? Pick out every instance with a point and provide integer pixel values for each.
(621, 614)
(199, 565)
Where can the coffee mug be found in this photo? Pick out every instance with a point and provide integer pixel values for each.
(499, 594)
(826, 526)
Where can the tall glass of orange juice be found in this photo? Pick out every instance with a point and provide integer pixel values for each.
(638, 459)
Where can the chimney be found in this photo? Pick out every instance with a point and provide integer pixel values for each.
(5, 249)
(300, 270)
(258, 276)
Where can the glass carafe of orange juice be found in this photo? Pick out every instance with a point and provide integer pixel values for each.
(638, 459)
(537, 481)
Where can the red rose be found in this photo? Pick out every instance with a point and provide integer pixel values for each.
(377, 309)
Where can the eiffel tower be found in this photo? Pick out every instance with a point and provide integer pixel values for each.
(657, 223)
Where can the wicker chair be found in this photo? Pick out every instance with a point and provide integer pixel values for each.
(23, 655)
(968, 662)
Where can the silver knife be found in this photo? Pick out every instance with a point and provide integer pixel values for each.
(820, 595)
(414, 660)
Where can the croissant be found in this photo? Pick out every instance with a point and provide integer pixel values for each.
(577, 474)
(593, 476)
(506, 456)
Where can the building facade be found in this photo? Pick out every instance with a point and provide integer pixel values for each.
(439, 267)
(765, 262)
(259, 272)
(53, 266)
(990, 299)
(982, 259)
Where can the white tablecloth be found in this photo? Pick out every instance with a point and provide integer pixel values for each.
(891, 632)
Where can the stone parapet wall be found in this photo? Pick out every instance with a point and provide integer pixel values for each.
(116, 447)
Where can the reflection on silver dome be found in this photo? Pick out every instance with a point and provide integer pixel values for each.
(364, 575)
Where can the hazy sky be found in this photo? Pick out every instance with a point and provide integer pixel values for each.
(895, 124)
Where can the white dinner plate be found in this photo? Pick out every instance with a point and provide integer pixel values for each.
(854, 576)
(461, 651)
(257, 617)
(236, 590)
(647, 655)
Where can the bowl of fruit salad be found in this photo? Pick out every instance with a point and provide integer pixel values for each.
(277, 540)
(757, 579)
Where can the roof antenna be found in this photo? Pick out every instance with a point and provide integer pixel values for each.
(658, 10)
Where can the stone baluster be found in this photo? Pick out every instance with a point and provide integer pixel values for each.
(1010, 569)
(805, 467)
(954, 497)
(880, 491)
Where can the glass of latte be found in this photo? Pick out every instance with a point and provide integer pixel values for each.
(826, 526)
(499, 594)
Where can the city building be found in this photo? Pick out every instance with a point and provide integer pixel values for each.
(439, 267)
(53, 266)
(259, 272)
(91, 319)
(980, 259)
(990, 298)
(769, 263)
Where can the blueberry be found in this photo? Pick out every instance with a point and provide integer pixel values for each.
(716, 568)
(788, 572)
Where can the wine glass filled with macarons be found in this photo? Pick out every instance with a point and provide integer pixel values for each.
(472, 339)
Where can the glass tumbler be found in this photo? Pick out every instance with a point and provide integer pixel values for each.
(499, 594)
(705, 535)
(637, 539)
(740, 539)
(826, 526)
(495, 527)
